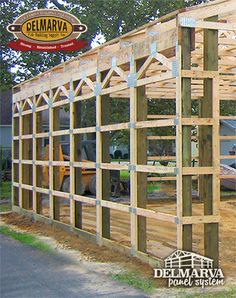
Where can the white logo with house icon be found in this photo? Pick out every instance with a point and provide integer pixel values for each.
(184, 268)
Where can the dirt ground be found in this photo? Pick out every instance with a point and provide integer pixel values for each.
(161, 236)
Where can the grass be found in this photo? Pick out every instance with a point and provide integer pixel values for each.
(226, 193)
(5, 207)
(26, 238)
(5, 189)
(230, 293)
(152, 187)
(134, 280)
(124, 175)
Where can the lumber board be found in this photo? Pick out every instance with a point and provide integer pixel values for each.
(105, 158)
(141, 147)
(78, 158)
(186, 137)
(211, 237)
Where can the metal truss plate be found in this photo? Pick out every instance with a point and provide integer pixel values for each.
(113, 62)
(98, 89)
(133, 210)
(153, 49)
(50, 102)
(71, 96)
(175, 68)
(132, 125)
(98, 203)
(132, 80)
(132, 168)
(33, 108)
(187, 22)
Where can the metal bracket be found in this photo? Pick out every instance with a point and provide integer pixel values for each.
(50, 193)
(97, 165)
(125, 44)
(71, 163)
(132, 210)
(97, 89)
(153, 49)
(98, 128)
(152, 33)
(175, 70)
(113, 62)
(98, 237)
(33, 136)
(132, 80)
(20, 111)
(50, 102)
(34, 108)
(33, 188)
(132, 250)
(49, 134)
(98, 203)
(50, 163)
(83, 75)
(70, 131)
(132, 125)
(71, 96)
(131, 60)
(33, 162)
(71, 197)
(132, 168)
(176, 171)
(187, 22)
(176, 121)
(177, 221)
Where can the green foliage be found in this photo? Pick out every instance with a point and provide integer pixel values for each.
(5, 189)
(5, 207)
(135, 280)
(27, 239)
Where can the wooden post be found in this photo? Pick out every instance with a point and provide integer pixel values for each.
(106, 187)
(138, 152)
(39, 169)
(78, 157)
(26, 154)
(211, 232)
(20, 155)
(56, 156)
(186, 138)
(141, 159)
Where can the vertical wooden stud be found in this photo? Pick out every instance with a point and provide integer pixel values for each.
(186, 137)
(211, 230)
(141, 148)
(77, 140)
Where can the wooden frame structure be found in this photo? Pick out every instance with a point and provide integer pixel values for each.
(187, 55)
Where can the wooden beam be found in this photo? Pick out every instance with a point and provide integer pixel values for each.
(106, 187)
(39, 169)
(211, 237)
(186, 138)
(78, 157)
(26, 154)
(141, 147)
(56, 156)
